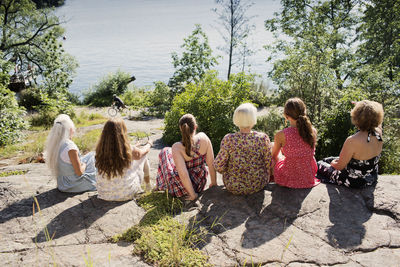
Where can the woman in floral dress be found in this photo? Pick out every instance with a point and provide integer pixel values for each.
(244, 158)
(294, 148)
(357, 164)
(182, 169)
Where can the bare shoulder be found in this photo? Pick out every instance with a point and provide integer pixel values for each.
(202, 137)
(178, 146)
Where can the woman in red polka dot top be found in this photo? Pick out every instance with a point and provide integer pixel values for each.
(294, 147)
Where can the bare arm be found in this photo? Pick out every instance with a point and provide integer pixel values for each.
(79, 167)
(210, 163)
(140, 152)
(278, 143)
(345, 155)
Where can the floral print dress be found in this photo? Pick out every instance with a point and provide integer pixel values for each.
(244, 160)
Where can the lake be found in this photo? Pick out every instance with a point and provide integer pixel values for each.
(138, 36)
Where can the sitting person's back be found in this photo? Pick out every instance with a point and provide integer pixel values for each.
(296, 167)
(121, 168)
(244, 158)
(357, 164)
(74, 173)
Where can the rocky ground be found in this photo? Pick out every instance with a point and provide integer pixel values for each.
(323, 226)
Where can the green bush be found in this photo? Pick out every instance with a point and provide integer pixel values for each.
(11, 117)
(270, 123)
(212, 102)
(136, 98)
(335, 125)
(160, 99)
(101, 94)
(260, 94)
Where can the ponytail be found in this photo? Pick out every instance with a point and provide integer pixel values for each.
(187, 139)
(306, 131)
(187, 124)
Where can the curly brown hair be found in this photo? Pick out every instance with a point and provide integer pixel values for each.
(296, 109)
(367, 115)
(113, 151)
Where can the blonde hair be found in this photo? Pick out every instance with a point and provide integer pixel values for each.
(187, 124)
(113, 151)
(245, 115)
(367, 115)
(59, 133)
(296, 109)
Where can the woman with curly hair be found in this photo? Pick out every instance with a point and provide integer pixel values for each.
(121, 167)
(357, 164)
(294, 147)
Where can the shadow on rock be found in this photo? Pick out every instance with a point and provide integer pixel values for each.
(275, 218)
(348, 212)
(221, 211)
(24, 207)
(76, 218)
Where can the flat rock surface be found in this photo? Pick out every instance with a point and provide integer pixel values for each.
(323, 226)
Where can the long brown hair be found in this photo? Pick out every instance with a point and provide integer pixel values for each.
(113, 152)
(187, 124)
(296, 109)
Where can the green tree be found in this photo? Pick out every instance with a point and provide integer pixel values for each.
(212, 101)
(195, 60)
(236, 29)
(316, 58)
(11, 115)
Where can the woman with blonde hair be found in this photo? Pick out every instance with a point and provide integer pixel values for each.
(357, 164)
(294, 147)
(244, 157)
(74, 173)
(121, 167)
(182, 169)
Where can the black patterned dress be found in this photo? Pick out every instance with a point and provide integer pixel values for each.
(357, 173)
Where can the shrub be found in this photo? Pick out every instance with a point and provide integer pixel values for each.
(160, 99)
(335, 125)
(136, 98)
(260, 94)
(270, 123)
(11, 117)
(101, 94)
(212, 102)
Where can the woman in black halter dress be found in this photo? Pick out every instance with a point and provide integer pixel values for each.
(357, 164)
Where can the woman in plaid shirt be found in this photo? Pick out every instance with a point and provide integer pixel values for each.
(182, 168)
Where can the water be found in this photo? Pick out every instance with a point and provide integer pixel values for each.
(138, 36)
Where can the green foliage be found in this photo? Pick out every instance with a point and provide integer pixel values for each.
(270, 123)
(101, 94)
(11, 115)
(195, 60)
(85, 119)
(260, 94)
(337, 126)
(31, 146)
(160, 99)
(136, 98)
(212, 102)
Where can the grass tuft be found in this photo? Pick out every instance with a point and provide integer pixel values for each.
(160, 239)
(11, 173)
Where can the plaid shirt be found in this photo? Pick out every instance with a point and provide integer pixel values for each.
(167, 174)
